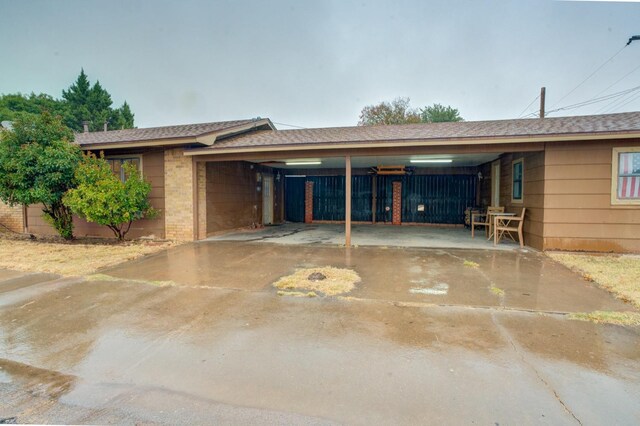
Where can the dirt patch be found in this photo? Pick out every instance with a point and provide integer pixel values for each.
(78, 257)
(607, 317)
(335, 281)
(619, 274)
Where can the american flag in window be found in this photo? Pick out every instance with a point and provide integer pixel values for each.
(629, 175)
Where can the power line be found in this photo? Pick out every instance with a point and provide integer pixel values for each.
(619, 80)
(590, 75)
(637, 96)
(615, 103)
(528, 106)
(288, 125)
(596, 100)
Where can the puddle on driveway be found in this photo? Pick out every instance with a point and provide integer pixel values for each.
(529, 280)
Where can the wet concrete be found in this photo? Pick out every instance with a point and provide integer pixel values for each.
(529, 280)
(379, 235)
(220, 347)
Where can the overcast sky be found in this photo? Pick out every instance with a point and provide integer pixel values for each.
(317, 63)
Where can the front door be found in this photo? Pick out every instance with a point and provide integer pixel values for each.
(267, 200)
(495, 183)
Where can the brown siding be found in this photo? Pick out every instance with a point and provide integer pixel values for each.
(153, 171)
(232, 199)
(533, 192)
(578, 210)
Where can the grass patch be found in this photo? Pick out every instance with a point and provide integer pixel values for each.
(497, 291)
(297, 293)
(608, 317)
(337, 281)
(619, 274)
(79, 257)
(471, 264)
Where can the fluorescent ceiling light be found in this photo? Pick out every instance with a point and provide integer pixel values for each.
(303, 163)
(440, 160)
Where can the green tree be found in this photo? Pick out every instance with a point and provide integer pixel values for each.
(38, 162)
(122, 117)
(397, 111)
(103, 198)
(93, 104)
(437, 113)
(80, 102)
(15, 105)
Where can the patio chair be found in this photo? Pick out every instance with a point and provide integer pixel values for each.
(509, 225)
(483, 219)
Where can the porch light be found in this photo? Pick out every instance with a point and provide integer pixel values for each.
(302, 163)
(439, 160)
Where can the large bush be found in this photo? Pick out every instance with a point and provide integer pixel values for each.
(103, 198)
(38, 162)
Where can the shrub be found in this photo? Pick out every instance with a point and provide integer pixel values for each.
(103, 198)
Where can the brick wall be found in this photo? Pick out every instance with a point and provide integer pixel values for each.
(11, 218)
(179, 193)
(233, 200)
(308, 202)
(396, 218)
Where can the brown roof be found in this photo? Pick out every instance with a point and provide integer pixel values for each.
(495, 129)
(153, 133)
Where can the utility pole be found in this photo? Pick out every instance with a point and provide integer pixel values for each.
(543, 92)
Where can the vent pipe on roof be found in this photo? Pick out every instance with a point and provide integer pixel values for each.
(85, 126)
(106, 125)
(543, 92)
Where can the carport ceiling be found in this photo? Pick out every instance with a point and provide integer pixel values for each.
(457, 160)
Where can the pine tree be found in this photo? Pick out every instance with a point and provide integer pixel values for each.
(77, 100)
(93, 104)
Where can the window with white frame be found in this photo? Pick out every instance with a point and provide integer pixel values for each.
(625, 177)
(117, 164)
(517, 180)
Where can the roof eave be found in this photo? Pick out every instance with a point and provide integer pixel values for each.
(210, 138)
(206, 139)
(415, 142)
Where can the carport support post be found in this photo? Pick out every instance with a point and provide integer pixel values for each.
(347, 201)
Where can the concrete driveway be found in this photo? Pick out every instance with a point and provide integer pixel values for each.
(379, 235)
(197, 334)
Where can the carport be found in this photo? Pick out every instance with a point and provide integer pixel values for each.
(393, 175)
(419, 199)
(393, 190)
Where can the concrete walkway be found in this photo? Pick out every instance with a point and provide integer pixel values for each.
(198, 335)
(369, 235)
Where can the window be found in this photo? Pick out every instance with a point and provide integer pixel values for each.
(517, 172)
(625, 179)
(117, 163)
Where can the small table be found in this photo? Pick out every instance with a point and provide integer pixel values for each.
(492, 221)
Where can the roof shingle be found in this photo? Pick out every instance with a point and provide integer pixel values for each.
(560, 126)
(153, 133)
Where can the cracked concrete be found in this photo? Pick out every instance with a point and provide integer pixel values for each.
(219, 346)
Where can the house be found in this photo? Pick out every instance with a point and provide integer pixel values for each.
(578, 177)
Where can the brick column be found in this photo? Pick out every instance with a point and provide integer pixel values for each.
(202, 200)
(179, 192)
(396, 218)
(308, 202)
